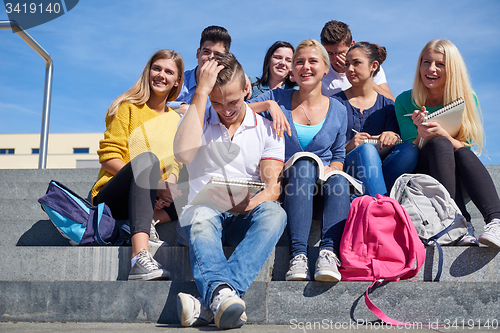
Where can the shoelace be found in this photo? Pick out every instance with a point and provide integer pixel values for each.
(220, 296)
(299, 260)
(147, 261)
(205, 313)
(493, 227)
(330, 257)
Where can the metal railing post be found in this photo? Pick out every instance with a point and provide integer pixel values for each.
(47, 94)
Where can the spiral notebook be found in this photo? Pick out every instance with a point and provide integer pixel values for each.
(449, 117)
(233, 187)
(385, 150)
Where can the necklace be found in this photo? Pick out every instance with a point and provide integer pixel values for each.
(309, 123)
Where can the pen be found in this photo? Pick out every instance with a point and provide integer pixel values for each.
(355, 131)
(409, 114)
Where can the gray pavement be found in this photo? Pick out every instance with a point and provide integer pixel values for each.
(151, 327)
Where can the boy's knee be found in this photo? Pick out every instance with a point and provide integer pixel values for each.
(197, 216)
(275, 214)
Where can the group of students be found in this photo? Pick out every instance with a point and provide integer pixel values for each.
(324, 98)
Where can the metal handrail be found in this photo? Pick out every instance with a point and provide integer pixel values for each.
(44, 133)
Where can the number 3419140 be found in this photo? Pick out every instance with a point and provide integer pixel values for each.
(32, 8)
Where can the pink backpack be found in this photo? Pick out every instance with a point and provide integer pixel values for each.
(379, 242)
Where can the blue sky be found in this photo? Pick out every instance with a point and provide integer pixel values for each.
(100, 48)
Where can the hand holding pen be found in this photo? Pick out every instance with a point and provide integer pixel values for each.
(358, 138)
(418, 116)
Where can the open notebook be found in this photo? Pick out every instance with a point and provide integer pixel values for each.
(233, 187)
(322, 177)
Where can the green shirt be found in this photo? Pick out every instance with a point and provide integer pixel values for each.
(404, 105)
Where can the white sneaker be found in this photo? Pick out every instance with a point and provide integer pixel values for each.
(299, 269)
(192, 312)
(491, 234)
(228, 309)
(327, 267)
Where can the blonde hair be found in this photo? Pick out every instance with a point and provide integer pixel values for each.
(457, 85)
(141, 91)
(312, 43)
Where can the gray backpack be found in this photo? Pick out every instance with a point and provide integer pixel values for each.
(434, 213)
(431, 208)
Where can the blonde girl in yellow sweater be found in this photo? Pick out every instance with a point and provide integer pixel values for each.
(137, 160)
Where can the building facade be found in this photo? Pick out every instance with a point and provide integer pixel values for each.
(65, 150)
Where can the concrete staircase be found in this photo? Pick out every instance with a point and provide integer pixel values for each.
(43, 278)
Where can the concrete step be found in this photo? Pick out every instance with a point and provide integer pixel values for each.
(42, 278)
(26, 224)
(95, 263)
(291, 303)
(42, 232)
(27, 263)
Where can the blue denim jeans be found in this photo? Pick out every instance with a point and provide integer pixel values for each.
(378, 176)
(299, 190)
(254, 235)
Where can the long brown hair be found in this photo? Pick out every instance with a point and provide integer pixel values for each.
(141, 91)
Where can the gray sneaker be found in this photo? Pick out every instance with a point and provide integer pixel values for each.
(299, 269)
(327, 269)
(228, 309)
(146, 268)
(192, 312)
(491, 234)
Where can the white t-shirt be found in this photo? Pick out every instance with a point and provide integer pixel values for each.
(253, 141)
(334, 82)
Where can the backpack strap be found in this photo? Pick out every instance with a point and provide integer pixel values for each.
(376, 311)
(440, 249)
(382, 316)
(100, 210)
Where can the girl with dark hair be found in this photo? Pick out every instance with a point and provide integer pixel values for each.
(370, 115)
(276, 69)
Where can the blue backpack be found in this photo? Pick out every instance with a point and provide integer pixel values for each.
(77, 219)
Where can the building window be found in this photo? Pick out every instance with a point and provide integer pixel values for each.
(35, 150)
(6, 151)
(80, 150)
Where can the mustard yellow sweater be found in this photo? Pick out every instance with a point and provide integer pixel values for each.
(134, 130)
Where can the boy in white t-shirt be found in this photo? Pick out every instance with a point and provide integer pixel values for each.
(337, 39)
(227, 140)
